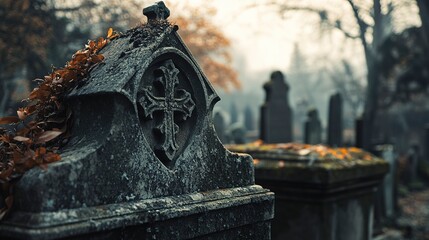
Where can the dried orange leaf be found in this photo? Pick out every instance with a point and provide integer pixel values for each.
(109, 32)
(21, 114)
(48, 136)
(8, 120)
(21, 139)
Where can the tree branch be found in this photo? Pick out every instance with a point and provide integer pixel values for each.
(283, 7)
(88, 4)
(337, 25)
(362, 29)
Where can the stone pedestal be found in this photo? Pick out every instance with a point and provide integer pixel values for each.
(143, 160)
(325, 199)
(236, 213)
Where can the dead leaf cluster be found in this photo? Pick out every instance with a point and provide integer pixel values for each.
(34, 136)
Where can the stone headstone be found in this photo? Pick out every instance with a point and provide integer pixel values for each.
(413, 158)
(359, 128)
(388, 186)
(219, 125)
(249, 121)
(276, 114)
(143, 161)
(335, 121)
(233, 112)
(426, 144)
(313, 128)
(237, 133)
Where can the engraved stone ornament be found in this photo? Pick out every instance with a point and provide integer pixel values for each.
(166, 78)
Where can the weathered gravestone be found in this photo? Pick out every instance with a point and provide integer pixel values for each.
(143, 161)
(233, 112)
(313, 128)
(426, 144)
(237, 133)
(249, 121)
(335, 121)
(276, 114)
(359, 140)
(324, 198)
(219, 124)
(384, 210)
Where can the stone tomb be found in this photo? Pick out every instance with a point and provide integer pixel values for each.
(324, 198)
(276, 114)
(143, 161)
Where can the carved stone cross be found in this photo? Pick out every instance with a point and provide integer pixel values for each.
(174, 101)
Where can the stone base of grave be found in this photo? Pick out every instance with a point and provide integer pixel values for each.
(319, 199)
(236, 213)
(322, 210)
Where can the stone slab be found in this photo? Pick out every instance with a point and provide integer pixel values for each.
(176, 217)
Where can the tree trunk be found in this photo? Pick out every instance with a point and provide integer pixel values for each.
(424, 16)
(370, 51)
(371, 100)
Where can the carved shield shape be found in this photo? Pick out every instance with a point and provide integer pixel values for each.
(168, 106)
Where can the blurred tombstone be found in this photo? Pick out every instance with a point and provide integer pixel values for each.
(313, 128)
(249, 121)
(426, 144)
(233, 112)
(219, 124)
(237, 133)
(335, 121)
(413, 156)
(359, 133)
(276, 114)
(386, 198)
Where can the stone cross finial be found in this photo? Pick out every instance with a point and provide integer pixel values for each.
(158, 11)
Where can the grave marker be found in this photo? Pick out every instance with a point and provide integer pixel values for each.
(313, 128)
(335, 121)
(143, 160)
(276, 114)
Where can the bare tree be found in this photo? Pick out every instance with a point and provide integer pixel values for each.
(347, 83)
(373, 22)
(424, 16)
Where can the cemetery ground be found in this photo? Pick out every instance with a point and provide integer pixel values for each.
(413, 222)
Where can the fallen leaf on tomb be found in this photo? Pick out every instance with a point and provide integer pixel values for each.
(48, 136)
(9, 120)
(26, 146)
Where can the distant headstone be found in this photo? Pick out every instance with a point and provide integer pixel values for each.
(143, 161)
(276, 114)
(359, 125)
(335, 121)
(389, 180)
(233, 112)
(313, 128)
(386, 199)
(426, 144)
(413, 158)
(237, 133)
(219, 124)
(249, 121)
